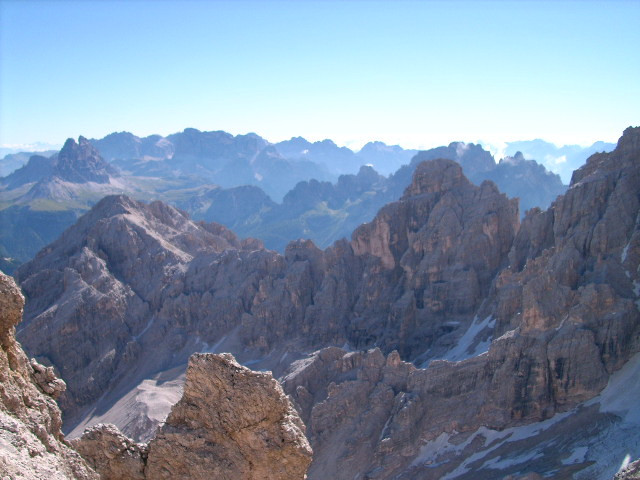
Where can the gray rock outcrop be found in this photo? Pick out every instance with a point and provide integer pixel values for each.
(230, 423)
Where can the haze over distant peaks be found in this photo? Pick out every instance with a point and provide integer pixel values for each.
(191, 169)
(561, 160)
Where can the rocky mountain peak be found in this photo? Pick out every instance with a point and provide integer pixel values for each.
(436, 176)
(517, 158)
(81, 162)
(624, 156)
(367, 171)
(630, 141)
(109, 207)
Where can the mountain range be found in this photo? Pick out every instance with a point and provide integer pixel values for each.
(47, 194)
(447, 338)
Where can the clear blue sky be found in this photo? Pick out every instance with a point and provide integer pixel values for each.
(417, 73)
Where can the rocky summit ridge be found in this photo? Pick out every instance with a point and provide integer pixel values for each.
(495, 339)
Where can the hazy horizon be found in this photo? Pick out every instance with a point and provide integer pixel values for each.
(417, 74)
(39, 146)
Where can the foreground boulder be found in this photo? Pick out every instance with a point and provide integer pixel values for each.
(231, 423)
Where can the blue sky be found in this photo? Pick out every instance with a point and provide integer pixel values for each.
(417, 73)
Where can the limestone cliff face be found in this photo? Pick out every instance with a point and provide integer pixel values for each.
(441, 244)
(566, 314)
(31, 442)
(347, 401)
(231, 423)
(572, 286)
(137, 288)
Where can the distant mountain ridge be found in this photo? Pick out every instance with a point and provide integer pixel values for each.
(48, 194)
(324, 211)
(234, 180)
(75, 163)
(215, 157)
(13, 161)
(562, 160)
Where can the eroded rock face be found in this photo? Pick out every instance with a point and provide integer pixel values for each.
(231, 423)
(567, 317)
(31, 442)
(573, 279)
(347, 400)
(135, 287)
(107, 281)
(81, 162)
(441, 244)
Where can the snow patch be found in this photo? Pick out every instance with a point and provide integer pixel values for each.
(556, 160)
(495, 439)
(577, 456)
(430, 451)
(469, 345)
(499, 463)
(625, 251)
(607, 451)
(461, 148)
(215, 347)
(144, 330)
(621, 394)
(625, 462)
